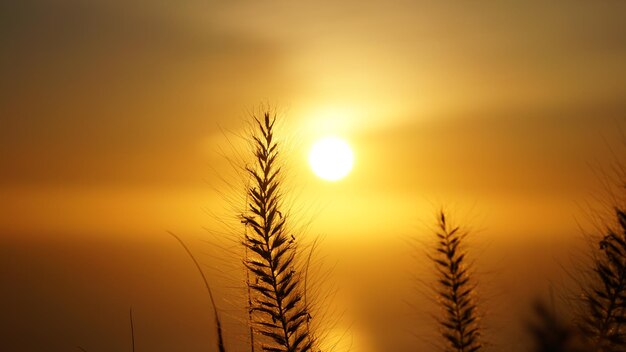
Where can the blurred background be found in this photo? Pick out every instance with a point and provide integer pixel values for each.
(118, 120)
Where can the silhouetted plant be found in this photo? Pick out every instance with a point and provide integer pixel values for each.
(279, 311)
(550, 334)
(604, 315)
(218, 323)
(132, 330)
(455, 290)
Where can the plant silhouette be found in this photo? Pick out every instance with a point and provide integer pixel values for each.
(550, 334)
(455, 290)
(278, 308)
(605, 298)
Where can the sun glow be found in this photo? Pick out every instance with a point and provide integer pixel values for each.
(331, 158)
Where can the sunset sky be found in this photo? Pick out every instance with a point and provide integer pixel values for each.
(118, 120)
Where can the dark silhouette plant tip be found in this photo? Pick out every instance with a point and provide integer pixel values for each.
(455, 290)
(604, 315)
(278, 308)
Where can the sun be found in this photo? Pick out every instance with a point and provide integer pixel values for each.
(331, 158)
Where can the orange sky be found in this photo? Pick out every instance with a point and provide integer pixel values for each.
(126, 100)
(114, 115)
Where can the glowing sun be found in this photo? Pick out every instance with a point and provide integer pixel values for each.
(331, 158)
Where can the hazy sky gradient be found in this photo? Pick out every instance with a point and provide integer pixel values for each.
(114, 118)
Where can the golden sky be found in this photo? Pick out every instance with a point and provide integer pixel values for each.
(129, 99)
(115, 116)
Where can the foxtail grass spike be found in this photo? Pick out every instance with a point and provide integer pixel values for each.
(279, 311)
(459, 326)
(605, 299)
